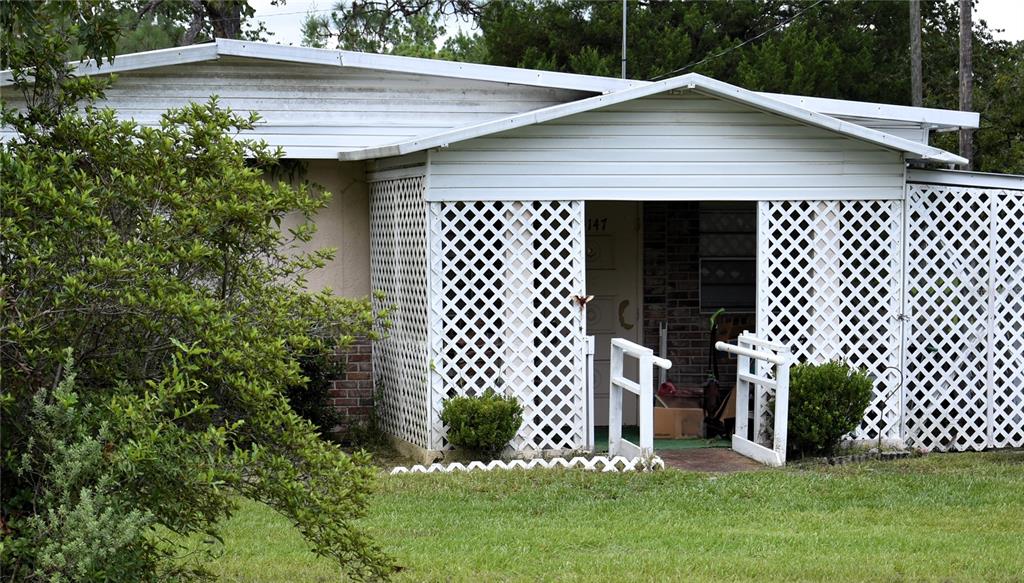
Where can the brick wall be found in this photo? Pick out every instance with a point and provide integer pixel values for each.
(352, 395)
(671, 253)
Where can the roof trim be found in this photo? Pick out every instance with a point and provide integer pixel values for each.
(136, 61)
(351, 59)
(691, 81)
(925, 116)
(432, 67)
(967, 179)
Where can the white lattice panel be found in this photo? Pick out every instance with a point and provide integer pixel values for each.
(965, 292)
(398, 263)
(1007, 359)
(948, 253)
(503, 277)
(829, 286)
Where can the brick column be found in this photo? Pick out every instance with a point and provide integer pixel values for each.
(352, 395)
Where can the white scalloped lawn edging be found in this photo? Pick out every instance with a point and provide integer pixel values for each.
(598, 463)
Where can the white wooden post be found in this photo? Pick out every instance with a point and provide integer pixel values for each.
(591, 345)
(779, 436)
(615, 401)
(742, 397)
(646, 406)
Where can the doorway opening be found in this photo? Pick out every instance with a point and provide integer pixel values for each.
(658, 271)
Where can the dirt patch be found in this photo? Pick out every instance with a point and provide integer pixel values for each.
(718, 460)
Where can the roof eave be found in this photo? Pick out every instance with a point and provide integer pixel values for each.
(924, 116)
(136, 61)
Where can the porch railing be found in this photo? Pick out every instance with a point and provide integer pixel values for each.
(754, 358)
(618, 382)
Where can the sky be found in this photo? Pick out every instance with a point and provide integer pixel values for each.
(286, 21)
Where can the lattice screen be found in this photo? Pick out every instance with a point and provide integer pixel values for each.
(503, 277)
(1008, 321)
(965, 293)
(829, 285)
(398, 262)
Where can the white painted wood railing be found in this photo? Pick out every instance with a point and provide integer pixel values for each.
(644, 389)
(591, 349)
(754, 357)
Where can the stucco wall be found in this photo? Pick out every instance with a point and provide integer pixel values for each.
(344, 225)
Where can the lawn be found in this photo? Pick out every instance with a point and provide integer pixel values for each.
(952, 517)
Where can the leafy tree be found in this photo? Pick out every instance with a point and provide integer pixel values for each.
(154, 312)
(196, 20)
(404, 27)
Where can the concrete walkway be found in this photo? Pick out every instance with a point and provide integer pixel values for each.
(712, 459)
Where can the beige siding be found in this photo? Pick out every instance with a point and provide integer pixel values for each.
(665, 148)
(344, 225)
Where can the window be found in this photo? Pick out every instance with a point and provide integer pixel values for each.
(728, 262)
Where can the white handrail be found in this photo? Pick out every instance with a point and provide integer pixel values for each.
(758, 354)
(620, 348)
(746, 379)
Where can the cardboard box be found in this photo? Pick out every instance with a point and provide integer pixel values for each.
(678, 422)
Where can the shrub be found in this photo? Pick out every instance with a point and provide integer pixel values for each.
(826, 401)
(312, 399)
(156, 258)
(484, 424)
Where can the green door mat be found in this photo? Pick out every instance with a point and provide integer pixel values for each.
(632, 433)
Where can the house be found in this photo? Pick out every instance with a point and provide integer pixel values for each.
(488, 202)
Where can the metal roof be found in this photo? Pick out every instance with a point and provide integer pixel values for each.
(689, 81)
(929, 117)
(813, 111)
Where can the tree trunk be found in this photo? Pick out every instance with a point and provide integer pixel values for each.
(225, 17)
(916, 82)
(966, 79)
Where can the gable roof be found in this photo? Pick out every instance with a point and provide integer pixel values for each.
(689, 81)
(929, 117)
(817, 112)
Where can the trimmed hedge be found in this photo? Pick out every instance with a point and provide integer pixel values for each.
(483, 424)
(826, 402)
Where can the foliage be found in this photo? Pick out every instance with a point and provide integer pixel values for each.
(403, 27)
(311, 399)
(156, 257)
(826, 402)
(484, 423)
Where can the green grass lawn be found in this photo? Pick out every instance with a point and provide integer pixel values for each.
(953, 517)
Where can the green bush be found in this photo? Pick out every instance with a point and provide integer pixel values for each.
(826, 401)
(312, 399)
(484, 424)
(158, 258)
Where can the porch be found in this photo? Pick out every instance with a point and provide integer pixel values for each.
(922, 291)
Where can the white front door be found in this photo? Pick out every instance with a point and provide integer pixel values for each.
(614, 279)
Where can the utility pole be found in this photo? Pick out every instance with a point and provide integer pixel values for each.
(623, 39)
(966, 79)
(916, 81)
